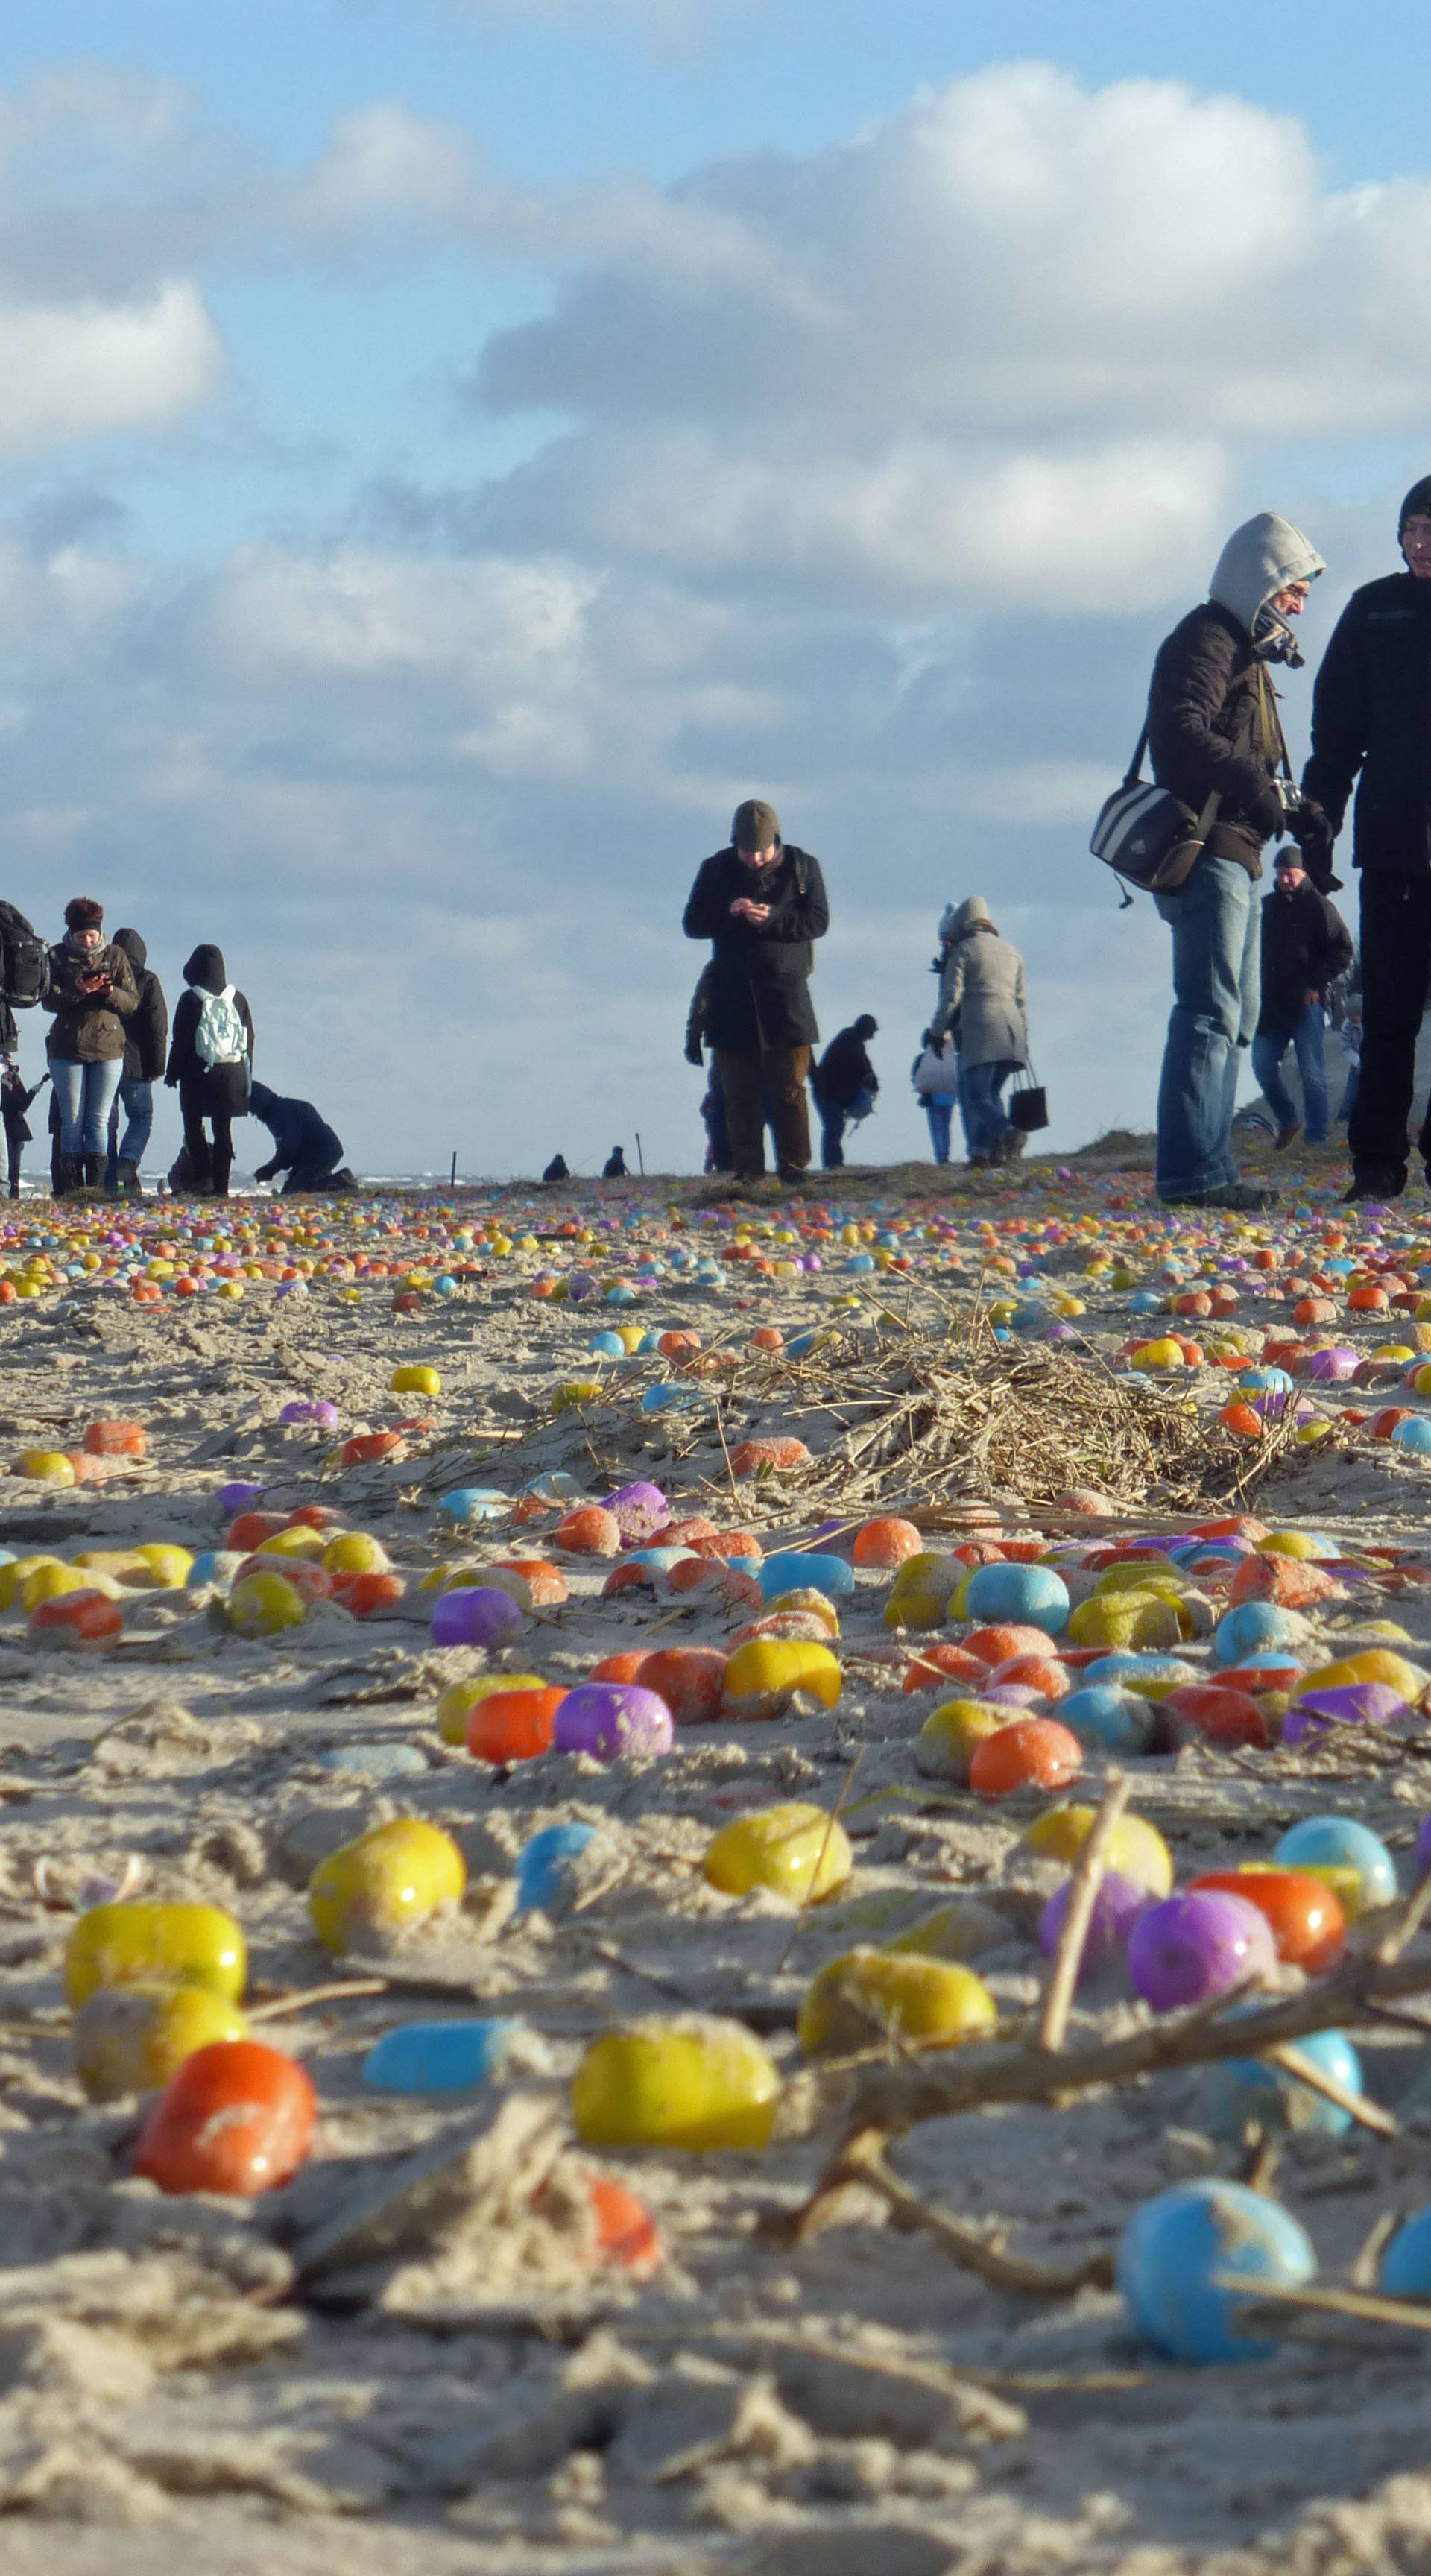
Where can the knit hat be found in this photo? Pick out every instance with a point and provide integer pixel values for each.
(756, 825)
(83, 913)
(1417, 504)
(1289, 856)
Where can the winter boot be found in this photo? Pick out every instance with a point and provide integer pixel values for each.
(130, 1186)
(94, 1171)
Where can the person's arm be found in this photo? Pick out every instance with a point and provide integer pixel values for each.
(181, 1046)
(123, 995)
(1021, 995)
(951, 992)
(1191, 678)
(1337, 950)
(246, 1015)
(57, 986)
(158, 1031)
(705, 917)
(1339, 720)
(800, 915)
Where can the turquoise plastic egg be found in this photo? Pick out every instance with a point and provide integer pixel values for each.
(1178, 2250)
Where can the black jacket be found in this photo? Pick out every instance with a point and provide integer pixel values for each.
(1305, 946)
(202, 1087)
(844, 1070)
(759, 989)
(301, 1134)
(1371, 713)
(146, 1032)
(1206, 730)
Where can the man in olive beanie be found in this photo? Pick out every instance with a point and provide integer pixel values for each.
(1371, 717)
(761, 903)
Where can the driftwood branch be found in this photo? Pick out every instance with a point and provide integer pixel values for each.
(1083, 1889)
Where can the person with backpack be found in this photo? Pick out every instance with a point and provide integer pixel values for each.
(145, 1040)
(91, 992)
(15, 1099)
(1214, 731)
(211, 1063)
(935, 1076)
(762, 904)
(304, 1145)
(983, 1005)
(1371, 727)
(845, 1084)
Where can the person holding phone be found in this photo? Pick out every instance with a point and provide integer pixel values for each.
(91, 994)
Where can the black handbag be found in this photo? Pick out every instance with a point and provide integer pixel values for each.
(1148, 837)
(1028, 1102)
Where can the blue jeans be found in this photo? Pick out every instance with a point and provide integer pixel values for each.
(981, 1108)
(84, 1093)
(939, 1110)
(136, 1099)
(1305, 1036)
(1217, 947)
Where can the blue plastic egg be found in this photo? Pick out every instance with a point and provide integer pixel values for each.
(1405, 2271)
(1337, 1842)
(1177, 2250)
(1243, 2089)
(1109, 1720)
(474, 1503)
(1253, 1627)
(790, 1569)
(439, 2056)
(544, 1863)
(1024, 1595)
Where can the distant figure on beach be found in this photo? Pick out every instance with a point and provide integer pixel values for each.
(14, 1101)
(935, 1076)
(211, 1063)
(92, 993)
(983, 1005)
(761, 903)
(145, 1040)
(844, 1083)
(556, 1169)
(304, 1145)
(614, 1167)
(1306, 945)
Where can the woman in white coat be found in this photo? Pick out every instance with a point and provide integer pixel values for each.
(983, 1006)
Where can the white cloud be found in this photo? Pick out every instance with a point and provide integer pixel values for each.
(77, 371)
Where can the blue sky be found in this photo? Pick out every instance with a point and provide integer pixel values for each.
(452, 449)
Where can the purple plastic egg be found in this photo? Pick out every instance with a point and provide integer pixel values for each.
(475, 1615)
(240, 1496)
(1333, 1367)
(1349, 1704)
(1116, 1908)
(609, 1719)
(639, 1511)
(324, 1414)
(1190, 1948)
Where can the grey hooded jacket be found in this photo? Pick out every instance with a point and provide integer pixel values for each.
(982, 997)
(1212, 722)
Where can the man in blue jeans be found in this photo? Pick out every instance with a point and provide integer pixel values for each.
(1305, 946)
(1214, 731)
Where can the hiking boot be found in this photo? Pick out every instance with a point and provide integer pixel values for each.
(1286, 1136)
(128, 1181)
(1375, 1181)
(94, 1171)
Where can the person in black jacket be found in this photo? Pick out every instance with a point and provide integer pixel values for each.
(304, 1145)
(1214, 730)
(844, 1083)
(1371, 718)
(211, 1061)
(15, 1099)
(146, 1036)
(1305, 946)
(761, 903)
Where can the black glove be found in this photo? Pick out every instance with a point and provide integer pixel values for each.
(1266, 815)
(693, 1052)
(1311, 830)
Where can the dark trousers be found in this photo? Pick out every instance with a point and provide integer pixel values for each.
(212, 1163)
(312, 1172)
(783, 1073)
(832, 1134)
(1395, 975)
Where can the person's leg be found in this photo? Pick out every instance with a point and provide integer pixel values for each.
(223, 1127)
(136, 1098)
(786, 1071)
(1349, 1092)
(1308, 1038)
(740, 1083)
(979, 1102)
(68, 1080)
(101, 1082)
(1000, 1124)
(832, 1135)
(111, 1159)
(1395, 962)
(1215, 922)
(1267, 1054)
(14, 1156)
(941, 1119)
(716, 1127)
(196, 1143)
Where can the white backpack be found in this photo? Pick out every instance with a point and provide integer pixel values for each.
(220, 1037)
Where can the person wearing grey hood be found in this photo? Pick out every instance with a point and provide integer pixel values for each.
(983, 1006)
(1371, 722)
(1214, 730)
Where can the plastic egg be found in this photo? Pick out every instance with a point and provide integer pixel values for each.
(795, 1849)
(263, 1605)
(857, 2000)
(479, 1615)
(764, 1677)
(1029, 1595)
(1109, 1720)
(1335, 1842)
(695, 2083)
(130, 2039)
(1117, 1905)
(1246, 2089)
(1405, 2271)
(1178, 2250)
(951, 1735)
(1136, 1849)
(148, 1944)
(789, 1568)
(459, 1699)
(394, 1875)
(1190, 1948)
(549, 1865)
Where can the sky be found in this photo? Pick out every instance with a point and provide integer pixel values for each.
(453, 450)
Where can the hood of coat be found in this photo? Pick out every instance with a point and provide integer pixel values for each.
(206, 968)
(261, 1100)
(960, 919)
(134, 949)
(1259, 559)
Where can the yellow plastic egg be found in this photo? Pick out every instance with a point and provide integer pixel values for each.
(263, 1605)
(695, 2083)
(302, 1542)
(460, 1698)
(1368, 1664)
(392, 1876)
(355, 1552)
(1136, 1850)
(44, 1467)
(130, 2039)
(765, 1675)
(415, 1379)
(1126, 1620)
(795, 1848)
(140, 1943)
(921, 1592)
(952, 1734)
(864, 1996)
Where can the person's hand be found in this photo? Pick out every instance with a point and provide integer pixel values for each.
(1312, 831)
(171, 1082)
(1309, 998)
